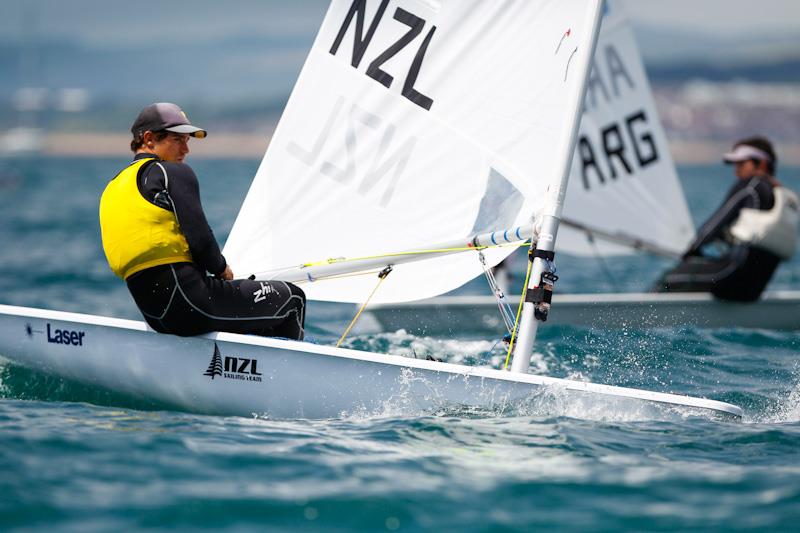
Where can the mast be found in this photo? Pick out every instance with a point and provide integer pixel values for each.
(542, 251)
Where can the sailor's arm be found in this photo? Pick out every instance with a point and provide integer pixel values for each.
(185, 193)
(712, 229)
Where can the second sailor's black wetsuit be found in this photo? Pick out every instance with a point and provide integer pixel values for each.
(743, 272)
(180, 298)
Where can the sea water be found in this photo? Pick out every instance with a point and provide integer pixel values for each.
(76, 457)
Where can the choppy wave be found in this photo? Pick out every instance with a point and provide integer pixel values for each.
(450, 471)
(79, 457)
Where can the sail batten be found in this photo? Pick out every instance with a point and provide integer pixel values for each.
(414, 123)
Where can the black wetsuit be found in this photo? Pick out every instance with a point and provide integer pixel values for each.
(180, 298)
(742, 272)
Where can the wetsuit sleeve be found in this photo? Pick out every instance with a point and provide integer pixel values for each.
(743, 194)
(184, 190)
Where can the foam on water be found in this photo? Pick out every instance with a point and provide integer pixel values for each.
(786, 409)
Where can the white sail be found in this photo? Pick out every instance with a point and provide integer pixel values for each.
(415, 122)
(623, 178)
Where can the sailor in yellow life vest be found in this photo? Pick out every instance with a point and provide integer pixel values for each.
(754, 229)
(156, 237)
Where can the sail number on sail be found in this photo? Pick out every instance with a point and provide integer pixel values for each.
(415, 25)
(620, 145)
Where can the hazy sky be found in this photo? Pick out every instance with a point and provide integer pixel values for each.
(121, 23)
(725, 17)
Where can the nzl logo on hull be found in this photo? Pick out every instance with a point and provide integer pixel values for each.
(229, 367)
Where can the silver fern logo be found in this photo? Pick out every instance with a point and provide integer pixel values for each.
(229, 367)
(215, 367)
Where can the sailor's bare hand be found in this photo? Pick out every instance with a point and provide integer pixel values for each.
(228, 274)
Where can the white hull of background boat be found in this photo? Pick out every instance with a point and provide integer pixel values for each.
(778, 310)
(230, 374)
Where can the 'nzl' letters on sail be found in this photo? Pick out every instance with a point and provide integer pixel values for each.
(361, 42)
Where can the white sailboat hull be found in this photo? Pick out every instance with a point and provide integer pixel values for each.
(288, 379)
(779, 310)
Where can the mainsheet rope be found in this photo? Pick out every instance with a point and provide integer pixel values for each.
(386, 271)
(381, 277)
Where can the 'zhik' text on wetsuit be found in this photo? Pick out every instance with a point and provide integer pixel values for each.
(743, 272)
(163, 249)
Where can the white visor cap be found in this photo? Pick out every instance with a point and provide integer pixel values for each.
(745, 152)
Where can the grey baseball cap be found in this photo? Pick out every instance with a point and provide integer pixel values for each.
(165, 116)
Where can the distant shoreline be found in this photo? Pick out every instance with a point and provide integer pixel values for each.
(216, 145)
(253, 145)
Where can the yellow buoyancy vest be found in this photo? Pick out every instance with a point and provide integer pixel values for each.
(137, 234)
